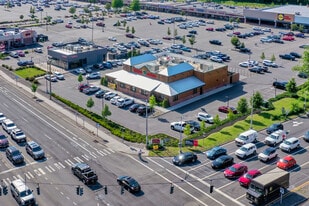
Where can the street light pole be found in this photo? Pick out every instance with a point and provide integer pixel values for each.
(146, 124)
(102, 102)
(50, 87)
(251, 110)
(180, 138)
(92, 32)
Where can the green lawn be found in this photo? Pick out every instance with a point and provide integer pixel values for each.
(29, 72)
(228, 134)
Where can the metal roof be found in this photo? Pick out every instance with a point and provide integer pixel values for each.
(290, 9)
(139, 59)
(176, 69)
(149, 84)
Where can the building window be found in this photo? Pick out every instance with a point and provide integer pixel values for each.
(194, 90)
(144, 92)
(133, 89)
(175, 98)
(122, 85)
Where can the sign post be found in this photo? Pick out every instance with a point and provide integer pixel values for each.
(281, 194)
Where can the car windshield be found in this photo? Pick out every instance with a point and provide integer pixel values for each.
(11, 125)
(2, 137)
(132, 182)
(267, 151)
(244, 149)
(233, 169)
(248, 176)
(287, 142)
(89, 174)
(25, 193)
(19, 134)
(220, 160)
(1, 115)
(283, 161)
(16, 152)
(242, 137)
(273, 136)
(37, 149)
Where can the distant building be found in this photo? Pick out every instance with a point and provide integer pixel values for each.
(76, 55)
(175, 78)
(13, 38)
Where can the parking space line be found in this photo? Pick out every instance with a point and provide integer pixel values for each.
(110, 149)
(19, 177)
(57, 165)
(48, 169)
(37, 173)
(5, 182)
(101, 153)
(85, 157)
(9, 181)
(105, 150)
(77, 159)
(42, 171)
(93, 155)
(29, 173)
(27, 176)
(69, 162)
(61, 165)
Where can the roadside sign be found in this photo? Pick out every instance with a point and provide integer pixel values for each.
(281, 190)
(97, 125)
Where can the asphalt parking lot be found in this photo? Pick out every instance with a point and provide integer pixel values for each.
(148, 28)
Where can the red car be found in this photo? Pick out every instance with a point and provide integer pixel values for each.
(167, 38)
(210, 29)
(81, 87)
(236, 170)
(226, 109)
(245, 180)
(236, 33)
(100, 24)
(288, 38)
(286, 163)
(130, 35)
(68, 26)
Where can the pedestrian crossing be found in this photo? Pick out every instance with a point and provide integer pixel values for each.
(56, 166)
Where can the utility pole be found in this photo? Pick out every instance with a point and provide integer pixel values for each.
(180, 138)
(251, 110)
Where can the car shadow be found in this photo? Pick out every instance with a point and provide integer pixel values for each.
(95, 187)
(299, 151)
(138, 194)
(197, 162)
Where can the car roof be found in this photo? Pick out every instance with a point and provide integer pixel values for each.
(82, 165)
(32, 144)
(254, 171)
(238, 165)
(292, 139)
(289, 157)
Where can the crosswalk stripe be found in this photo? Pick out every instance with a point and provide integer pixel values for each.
(93, 155)
(105, 150)
(61, 165)
(49, 170)
(77, 159)
(69, 162)
(19, 177)
(15, 178)
(27, 176)
(85, 157)
(9, 181)
(42, 171)
(57, 165)
(29, 173)
(5, 182)
(110, 149)
(101, 153)
(37, 172)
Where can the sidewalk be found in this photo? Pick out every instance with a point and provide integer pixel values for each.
(108, 140)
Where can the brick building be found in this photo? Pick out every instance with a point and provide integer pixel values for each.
(169, 76)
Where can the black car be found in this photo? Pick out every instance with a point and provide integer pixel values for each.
(196, 125)
(280, 84)
(220, 29)
(14, 155)
(222, 162)
(142, 109)
(184, 158)
(295, 54)
(216, 152)
(256, 69)
(216, 42)
(100, 93)
(134, 107)
(244, 50)
(129, 183)
(287, 56)
(278, 41)
(274, 127)
(190, 35)
(193, 32)
(302, 75)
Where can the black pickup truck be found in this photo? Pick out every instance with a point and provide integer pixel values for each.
(84, 173)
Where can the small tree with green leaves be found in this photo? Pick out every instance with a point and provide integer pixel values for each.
(117, 4)
(133, 30)
(242, 45)
(152, 101)
(187, 130)
(90, 103)
(175, 33)
(217, 120)
(235, 41)
(72, 10)
(301, 28)
(203, 126)
(21, 17)
(108, 6)
(257, 100)
(294, 27)
(106, 112)
(192, 40)
(273, 58)
(124, 23)
(304, 67)
(34, 87)
(183, 39)
(262, 56)
(242, 105)
(128, 29)
(291, 86)
(168, 31)
(135, 5)
(80, 78)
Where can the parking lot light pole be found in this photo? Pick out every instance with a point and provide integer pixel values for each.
(102, 102)
(50, 87)
(146, 124)
(251, 110)
(275, 87)
(180, 138)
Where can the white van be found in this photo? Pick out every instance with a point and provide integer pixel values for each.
(246, 137)
(21, 193)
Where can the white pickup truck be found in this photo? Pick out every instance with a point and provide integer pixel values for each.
(275, 138)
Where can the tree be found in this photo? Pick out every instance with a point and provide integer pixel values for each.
(106, 112)
(192, 40)
(291, 86)
(168, 31)
(202, 126)
(135, 5)
(235, 41)
(242, 105)
(108, 6)
(257, 100)
(183, 39)
(90, 103)
(124, 23)
(304, 67)
(301, 28)
(273, 58)
(262, 56)
(118, 23)
(104, 81)
(294, 27)
(80, 78)
(72, 10)
(152, 101)
(217, 120)
(34, 87)
(21, 17)
(187, 130)
(128, 29)
(242, 45)
(117, 4)
(175, 32)
(132, 30)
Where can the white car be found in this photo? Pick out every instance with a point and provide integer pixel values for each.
(2, 117)
(246, 150)
(80, 71)
(18, 135)
(180, 126)
(216, 59)
(114, 100)
(59, 75)
(123, 102)
(210, 22)
(269, 63)
(38, 50)
(266, 39)
(244, 64)
(112, 38)
(289, 144)
(93, 75)
(203, 116)
(8, 125)
(109, 95)
(268, 154)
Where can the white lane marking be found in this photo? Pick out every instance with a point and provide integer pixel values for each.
(208, 185)
(48, 169)
(5, 182)
(19, 177)
(85, 157)
(9, 181)
(48, 137)
(27, 176)
(17, 168)
(110, 149)
(61, 165)
(70, 163)
(83, 141)
(101, 153)
(15, 178)
(180, 188)
(30, 174)
(37, 172)
(57, 165)
(24, 120)
(92, 154)
(77, 159)
(41, 171)
(105, 150)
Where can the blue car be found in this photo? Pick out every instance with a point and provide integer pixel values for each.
(216, 152)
